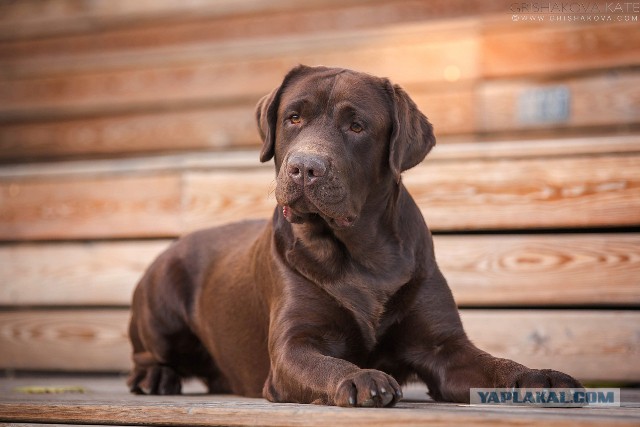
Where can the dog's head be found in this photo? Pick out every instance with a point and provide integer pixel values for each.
(336, 136)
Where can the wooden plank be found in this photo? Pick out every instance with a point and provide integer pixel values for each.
(599, 345)
(108, 398)
(237, 71)
(74, 274)
(219, 127)
(594, 345)
(248, 159)
(28, 19)
(117, 206)
(207, 128)
(494, 270)
(601, 100)
(556, 48)
(548, 192)
(593, 191)
(545, 270)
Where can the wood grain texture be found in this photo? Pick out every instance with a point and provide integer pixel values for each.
(116, 206)
(215, 128)
(233, 72)
(463, 150)
(191, 129)
(599, 345)
(108, 399)
(545, 270)
(552, 192)
(557, 48)
(500, 270)
(482, 194)
(196, 21)
(601, 100)
(74, 274)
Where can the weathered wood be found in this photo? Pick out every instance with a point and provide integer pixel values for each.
(600, 100)
(523, 270)
(516, 49)
(482, 194)
(208, 128)
(545, 270)
(217, 128)
(107, 401)
(598, 345)
(74, 274)
(144, 20)
(117, 206)
(234, 72)
(553, 192)
(248, 159)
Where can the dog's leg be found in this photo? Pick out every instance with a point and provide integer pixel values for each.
(436, 347)
(313, 361)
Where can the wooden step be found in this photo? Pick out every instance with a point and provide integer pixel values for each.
(105, 400)
(494, 270)
(590, 345)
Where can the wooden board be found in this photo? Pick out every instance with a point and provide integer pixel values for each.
(580, 102)
(222, 74)
(191, 129)
(464, 150)
(589, 345)
(547, 192)
(466, 195)
(207, 128)
(107, 401)
(29, 19)
(117, 206)
(74, 274)
(500, 270)
(556, 47)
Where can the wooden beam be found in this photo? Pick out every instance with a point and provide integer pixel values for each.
(111, 207)
(498, 270)
(201, 20)
(544, 193)
(214, 128)
(74, 274)
(577, 102)
(231, 73)
(248, 159)
(598, 345)
(107, 401)
(554, 48)
(596, 191)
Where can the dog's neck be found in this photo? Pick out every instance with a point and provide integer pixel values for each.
(362, 266)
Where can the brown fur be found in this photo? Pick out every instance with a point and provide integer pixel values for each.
(338, 298)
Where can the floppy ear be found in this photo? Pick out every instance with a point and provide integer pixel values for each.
(267, 113)
(411, 136)
(266, 116)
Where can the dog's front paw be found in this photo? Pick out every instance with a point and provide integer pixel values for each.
(368, 388)
(545, 378)
(155, 379)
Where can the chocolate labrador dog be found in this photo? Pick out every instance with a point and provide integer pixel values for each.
(336, 300)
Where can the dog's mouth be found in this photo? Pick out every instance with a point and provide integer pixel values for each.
(300, 215)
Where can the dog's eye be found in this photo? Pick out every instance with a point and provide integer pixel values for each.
(294, 119)
(356, 127)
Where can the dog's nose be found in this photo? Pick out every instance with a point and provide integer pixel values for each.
(305, 169)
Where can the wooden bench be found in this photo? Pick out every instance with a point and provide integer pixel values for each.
(126, 124)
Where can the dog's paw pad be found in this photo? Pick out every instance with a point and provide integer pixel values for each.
(368, 388)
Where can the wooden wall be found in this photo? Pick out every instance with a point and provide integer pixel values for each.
(125, 124)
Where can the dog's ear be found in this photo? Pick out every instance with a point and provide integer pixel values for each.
(411, 136)
(267, 114)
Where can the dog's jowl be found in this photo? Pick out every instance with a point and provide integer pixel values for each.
(337, 299)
